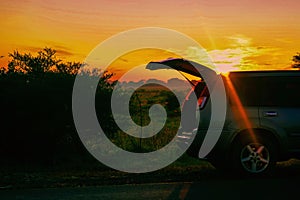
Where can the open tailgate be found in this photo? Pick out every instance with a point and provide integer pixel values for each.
(182, 65)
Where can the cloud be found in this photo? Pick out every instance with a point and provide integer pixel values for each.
(60, 50)
(227, 59)
(241, 54)
(64, 52)
(284, 40)
(240, 40)
(196, 54)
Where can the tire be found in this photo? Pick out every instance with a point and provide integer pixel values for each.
(254, 157)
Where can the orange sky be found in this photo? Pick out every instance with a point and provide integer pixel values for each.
(237, 34)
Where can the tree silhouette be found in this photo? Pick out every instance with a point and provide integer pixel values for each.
(27, 63)
(296, 60)
(44, 61)
(68, 68)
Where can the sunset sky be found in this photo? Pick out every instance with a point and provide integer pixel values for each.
(237, 34)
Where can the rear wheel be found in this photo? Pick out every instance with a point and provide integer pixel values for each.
(253, 156)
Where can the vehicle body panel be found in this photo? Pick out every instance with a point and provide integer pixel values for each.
(247, 109)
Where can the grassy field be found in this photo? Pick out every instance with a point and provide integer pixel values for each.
(140, 103)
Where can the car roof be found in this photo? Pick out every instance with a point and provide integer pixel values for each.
(264, 73)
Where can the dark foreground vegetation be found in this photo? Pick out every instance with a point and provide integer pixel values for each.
(37, 122)
(38, 135)
(37, 128)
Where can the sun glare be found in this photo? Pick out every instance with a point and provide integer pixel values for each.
(237, 104)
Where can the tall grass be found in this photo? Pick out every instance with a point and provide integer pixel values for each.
(140, 103)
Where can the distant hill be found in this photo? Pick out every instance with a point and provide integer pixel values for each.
(175, 83)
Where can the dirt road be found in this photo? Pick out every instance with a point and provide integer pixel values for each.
(272, 188)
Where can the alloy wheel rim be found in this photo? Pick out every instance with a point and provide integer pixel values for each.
(255, 157)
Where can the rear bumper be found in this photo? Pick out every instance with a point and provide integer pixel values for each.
(195, 140)
(192, 141)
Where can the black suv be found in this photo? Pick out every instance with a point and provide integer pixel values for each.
(262, 123)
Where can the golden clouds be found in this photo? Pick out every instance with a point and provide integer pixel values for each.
(242, 55)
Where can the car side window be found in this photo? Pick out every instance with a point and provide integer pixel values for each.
(281, 91)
